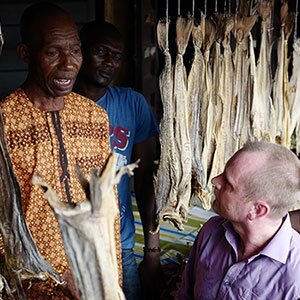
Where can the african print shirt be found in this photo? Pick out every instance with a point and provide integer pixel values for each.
(51, 144)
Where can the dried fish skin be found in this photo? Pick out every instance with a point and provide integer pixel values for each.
(194, 96)
(167, 188)
(294, 94)
(241, 131)
(174, 173)
(182, 131)
(262, 110)
(280, 85)
(88, 232)
(22, 257)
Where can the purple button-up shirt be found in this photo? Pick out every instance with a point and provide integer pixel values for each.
(213, 270)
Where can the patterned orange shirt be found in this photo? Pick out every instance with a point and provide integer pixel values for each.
(51, 144)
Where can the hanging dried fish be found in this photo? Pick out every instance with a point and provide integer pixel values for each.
(167, 175)
(241, 103)
(280, 85)
(207, 111)
(194, 96)
(262, 110)
(23, 260)
(182, 131)
(88, 232)
(294, 95)
(223, 128)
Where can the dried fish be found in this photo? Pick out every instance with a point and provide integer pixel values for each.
(166, 194)
(262, 110)
(174, 206)
(280, 85)
(88, 232)
(194, 96)
(23, 260)
(223, 129)
(207, 111)
(294, 94)
(241, 105)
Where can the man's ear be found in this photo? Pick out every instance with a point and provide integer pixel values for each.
(23, 52)
(258, 210)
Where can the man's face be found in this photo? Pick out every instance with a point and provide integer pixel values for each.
(102, 61)
(55, 57)
(229, 185)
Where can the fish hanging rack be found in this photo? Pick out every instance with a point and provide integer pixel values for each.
(229, 7)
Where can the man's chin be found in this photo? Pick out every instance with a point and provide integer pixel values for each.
(215, 208)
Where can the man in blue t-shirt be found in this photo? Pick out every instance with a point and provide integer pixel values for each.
(132, 134)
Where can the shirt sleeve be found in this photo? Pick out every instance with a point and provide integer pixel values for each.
(186, 287)
(146, 125)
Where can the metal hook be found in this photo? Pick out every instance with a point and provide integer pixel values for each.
(167, 24)
(237, 7)
(1, 39)
(193, 8)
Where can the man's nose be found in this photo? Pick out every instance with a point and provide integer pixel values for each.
(66, 62)
(108, 59)
(216, 182)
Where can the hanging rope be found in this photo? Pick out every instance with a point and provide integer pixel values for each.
(167, 27)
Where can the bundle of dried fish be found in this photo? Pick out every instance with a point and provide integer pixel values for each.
(294, 95)
(23, 260)
(166, 194)
(207, 111)
(88, 232)
(229, 95)
(280, 85)
(262, 110)
(194, 96)
(182, 131)
(176, 140)
(223, 129)
(242, 132)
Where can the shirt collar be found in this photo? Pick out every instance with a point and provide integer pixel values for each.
(279, 246)
(277, 249)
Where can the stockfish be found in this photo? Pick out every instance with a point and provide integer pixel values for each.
(23, 260)
(88, 232)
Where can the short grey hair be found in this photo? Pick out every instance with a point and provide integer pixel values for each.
(277, 180)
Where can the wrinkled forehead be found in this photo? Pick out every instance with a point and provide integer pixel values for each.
(47, 28)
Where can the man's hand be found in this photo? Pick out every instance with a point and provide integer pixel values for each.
(151, 276)
(69, 288)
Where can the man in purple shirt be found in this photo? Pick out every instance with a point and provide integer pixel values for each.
(250, 251)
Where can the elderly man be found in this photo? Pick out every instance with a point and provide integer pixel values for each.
(50, 129)
(250, 251)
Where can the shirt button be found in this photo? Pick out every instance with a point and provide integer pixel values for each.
(226, 283)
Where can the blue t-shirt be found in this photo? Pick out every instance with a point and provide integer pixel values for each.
(131, 121)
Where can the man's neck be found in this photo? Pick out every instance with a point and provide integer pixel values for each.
(89, 91)
(41, 101)
(252, 240)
